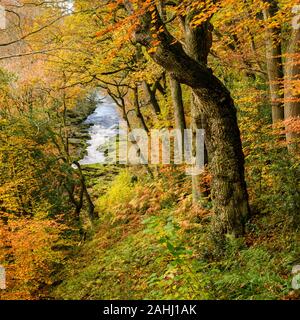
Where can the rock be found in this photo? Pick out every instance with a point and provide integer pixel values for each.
(75, 141)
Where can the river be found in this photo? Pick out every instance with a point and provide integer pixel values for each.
(104, 124)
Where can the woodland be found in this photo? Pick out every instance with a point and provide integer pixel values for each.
(104, 231)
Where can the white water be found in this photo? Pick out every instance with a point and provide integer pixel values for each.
(104, 123)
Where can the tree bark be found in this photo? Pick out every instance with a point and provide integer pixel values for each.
(229, 194)
(91, 206)
(137, 109)
(274, 64)
(152, 98)
(176, 93)
(198, 41)
(199, 188)
(292, 100)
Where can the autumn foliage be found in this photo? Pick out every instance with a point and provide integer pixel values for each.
(114, 232)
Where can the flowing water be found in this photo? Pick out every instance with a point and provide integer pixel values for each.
(104, 123)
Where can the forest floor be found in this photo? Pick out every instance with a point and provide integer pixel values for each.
(152, 242)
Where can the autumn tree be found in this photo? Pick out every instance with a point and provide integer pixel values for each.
(274, 60)
(291, 93)
(213, 100)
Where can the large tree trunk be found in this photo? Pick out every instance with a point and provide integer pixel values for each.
(229, 194)
(274, 63)
(228, 190)
(292, 99)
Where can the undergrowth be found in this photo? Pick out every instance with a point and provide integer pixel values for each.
(152, 242)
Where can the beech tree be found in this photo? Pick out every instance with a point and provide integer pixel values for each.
(214, 101)
(291, 96)
(274, 61)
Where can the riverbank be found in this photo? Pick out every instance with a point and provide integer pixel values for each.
(77, 128)
(94, 123)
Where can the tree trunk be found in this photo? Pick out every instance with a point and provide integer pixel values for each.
(229, 194)
(198, 122)
(228, 189)
(151, 97)
(292, 99)
(198, 41)
(137, 109)
(91, 207)
(176, 93)
(274, 64)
